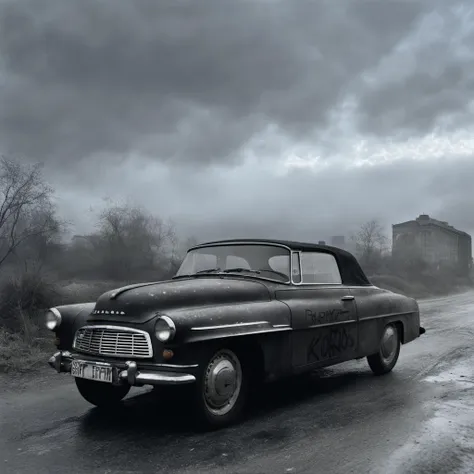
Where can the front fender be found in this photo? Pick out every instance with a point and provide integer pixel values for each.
(73, 316)
(233, 320)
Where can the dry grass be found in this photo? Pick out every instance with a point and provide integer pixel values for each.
(400, 285)
(85, 291)
(25, 345)
(429, 287)
(24, 351)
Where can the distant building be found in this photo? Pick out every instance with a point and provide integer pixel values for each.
(436, 242)
(338, 241)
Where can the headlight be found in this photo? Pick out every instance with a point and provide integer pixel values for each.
(52, 319)
(165, 329)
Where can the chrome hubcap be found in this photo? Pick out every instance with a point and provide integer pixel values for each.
(388, 346)
(222, 382)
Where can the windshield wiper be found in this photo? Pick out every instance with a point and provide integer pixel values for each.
(188, 275)
(240, 269)
(208, 270)
(218, 270)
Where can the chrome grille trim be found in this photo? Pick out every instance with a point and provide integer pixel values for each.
(113, 341)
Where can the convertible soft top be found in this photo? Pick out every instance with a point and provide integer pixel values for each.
(351, 271)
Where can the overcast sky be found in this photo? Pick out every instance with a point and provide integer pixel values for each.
(294, 119)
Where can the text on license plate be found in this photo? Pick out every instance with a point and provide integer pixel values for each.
(91, 371)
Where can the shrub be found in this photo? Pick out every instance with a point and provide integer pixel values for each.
(22, 352)
(23, 299)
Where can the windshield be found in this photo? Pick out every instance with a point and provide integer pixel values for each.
(263, 261)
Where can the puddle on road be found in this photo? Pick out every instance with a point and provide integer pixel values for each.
(445, 443)
(461, 374)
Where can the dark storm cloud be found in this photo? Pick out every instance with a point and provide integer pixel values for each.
(435, 83)
(182, 81)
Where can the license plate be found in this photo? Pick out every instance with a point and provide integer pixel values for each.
(92, 371)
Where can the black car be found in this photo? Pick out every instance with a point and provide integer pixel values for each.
(236, 313)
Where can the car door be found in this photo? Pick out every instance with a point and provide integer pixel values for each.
(324, 315)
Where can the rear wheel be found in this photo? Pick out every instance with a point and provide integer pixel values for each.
(221, 389)
(385, 359)
(101, 394)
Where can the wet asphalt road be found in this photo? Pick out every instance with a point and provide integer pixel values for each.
(418, 419)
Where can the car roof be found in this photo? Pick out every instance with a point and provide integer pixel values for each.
(351, 271)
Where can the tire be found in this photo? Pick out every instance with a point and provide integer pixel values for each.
(383, 361)
(221, 390)
(101, 394)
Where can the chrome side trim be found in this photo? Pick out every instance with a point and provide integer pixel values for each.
(387, 315)
(226, 326)
(261, 330)
(281, 325)
(328, 325)
(177, 366)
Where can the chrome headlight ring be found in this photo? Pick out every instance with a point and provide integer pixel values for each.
(53, 319)
(165, 329)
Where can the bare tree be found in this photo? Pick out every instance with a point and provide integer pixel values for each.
(132, 240)
(371, 243)
(26, 209)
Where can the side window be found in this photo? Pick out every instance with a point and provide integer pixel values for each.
(319, 267)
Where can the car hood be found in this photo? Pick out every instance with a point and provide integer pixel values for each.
(140, 303)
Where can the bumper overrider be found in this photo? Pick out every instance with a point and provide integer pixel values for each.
(129, 371)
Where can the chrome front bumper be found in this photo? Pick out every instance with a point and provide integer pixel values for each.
(61, 362)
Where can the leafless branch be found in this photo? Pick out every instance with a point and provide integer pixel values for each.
(25, 205)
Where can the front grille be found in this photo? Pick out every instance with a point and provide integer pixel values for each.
(113, 341)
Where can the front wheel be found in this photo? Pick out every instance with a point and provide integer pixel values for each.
(101, 394)
(385, 359)
(221, 389)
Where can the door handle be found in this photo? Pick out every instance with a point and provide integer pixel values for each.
(347, 298)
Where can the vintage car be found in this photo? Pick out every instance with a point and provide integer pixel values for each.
(237, 312)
